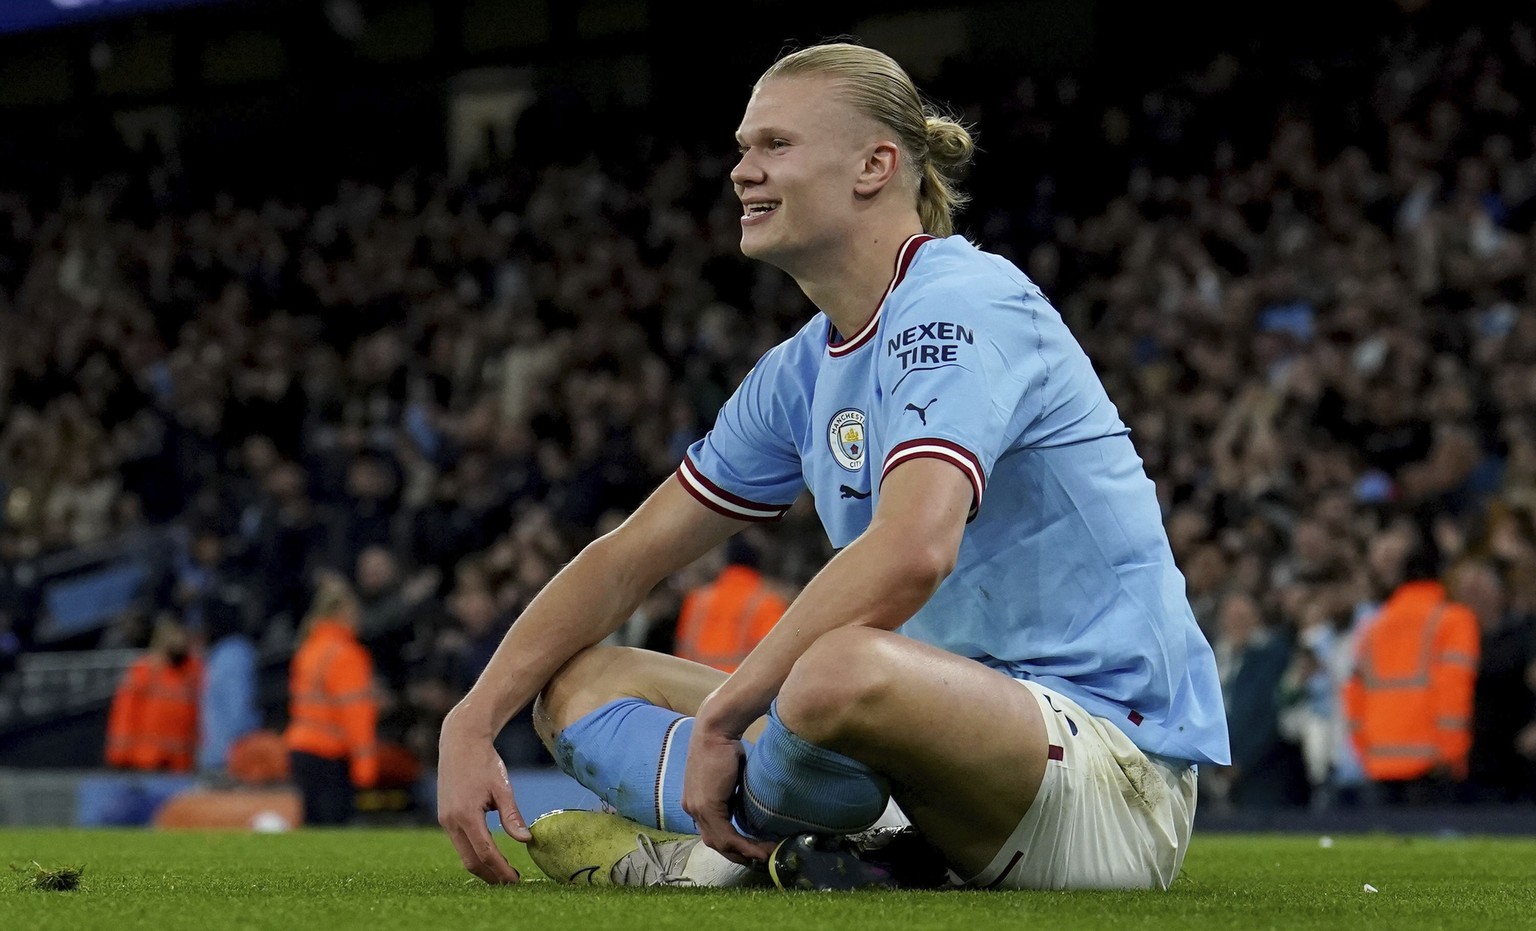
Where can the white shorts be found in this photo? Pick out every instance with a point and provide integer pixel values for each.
(1107, 816)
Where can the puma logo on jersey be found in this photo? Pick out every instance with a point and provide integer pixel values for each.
(922, 412)
(851, 492)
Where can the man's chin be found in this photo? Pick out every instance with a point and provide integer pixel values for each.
(756, 248)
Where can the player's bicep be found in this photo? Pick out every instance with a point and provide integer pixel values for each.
(671, 529)
(924, 504)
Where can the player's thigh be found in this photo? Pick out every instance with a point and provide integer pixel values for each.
(602, 674)
(963, 745)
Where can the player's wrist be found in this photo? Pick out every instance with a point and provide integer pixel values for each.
(716, 719)
(471, 719)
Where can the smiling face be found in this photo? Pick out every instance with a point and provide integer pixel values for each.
(802, 150)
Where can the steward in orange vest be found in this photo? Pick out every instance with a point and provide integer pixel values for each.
(333, 713)
(152, 724)
(722, 621)
(1408, 702)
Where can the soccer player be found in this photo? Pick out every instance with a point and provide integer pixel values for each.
(1000, 653)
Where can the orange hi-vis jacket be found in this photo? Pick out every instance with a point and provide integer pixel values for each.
(721, 622)
(1409, 701)
(152, 724)
(332, 712)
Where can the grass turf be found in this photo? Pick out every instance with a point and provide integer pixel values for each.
(386, 879)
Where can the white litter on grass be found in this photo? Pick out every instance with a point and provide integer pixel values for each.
(269, 822)
(1369, 888)
(1325, 842)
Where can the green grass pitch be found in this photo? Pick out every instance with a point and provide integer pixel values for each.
(379, 879)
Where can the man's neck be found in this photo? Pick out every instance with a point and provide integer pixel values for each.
(849, 287)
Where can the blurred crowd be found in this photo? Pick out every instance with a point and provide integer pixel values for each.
(1312, 301)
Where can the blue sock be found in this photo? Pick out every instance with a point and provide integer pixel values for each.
(631, 753)
(792, 787)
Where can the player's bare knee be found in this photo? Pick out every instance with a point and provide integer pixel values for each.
(586, 682)
(836, 687)
(543, 723)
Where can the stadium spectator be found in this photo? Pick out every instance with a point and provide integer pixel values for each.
(203, 571)
(153, 722)
(722, 620)
(1409, 699)
(1504, 701)
(1206, 581)
(479, 624)
(282, 542)
(1252, 658)
(1384, 567)
(390, 611)
(1309, 704)
(227, 702)
(333, 712)
(365, 510)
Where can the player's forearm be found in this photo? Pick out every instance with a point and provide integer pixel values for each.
(585, 602)
(880, 580)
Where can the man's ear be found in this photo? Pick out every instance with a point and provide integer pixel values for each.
(882, 160)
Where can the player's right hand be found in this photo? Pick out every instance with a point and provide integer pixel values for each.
(472, 780)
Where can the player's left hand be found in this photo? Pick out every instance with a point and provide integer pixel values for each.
(709, 782)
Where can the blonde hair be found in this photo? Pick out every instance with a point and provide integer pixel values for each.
(333, 600)
(939, 147)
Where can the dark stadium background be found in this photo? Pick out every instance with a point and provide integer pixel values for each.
(219, 105)
(362, 87)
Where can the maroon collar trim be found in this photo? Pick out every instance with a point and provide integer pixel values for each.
(866, 333)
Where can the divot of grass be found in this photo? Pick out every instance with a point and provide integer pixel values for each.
(50, 879)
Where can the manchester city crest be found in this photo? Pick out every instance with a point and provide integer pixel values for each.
(846, 437)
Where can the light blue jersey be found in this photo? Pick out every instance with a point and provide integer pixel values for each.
(1064, 574)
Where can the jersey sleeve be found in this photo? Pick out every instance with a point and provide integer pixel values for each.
(747, 466)
(954, 370)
